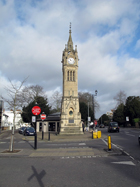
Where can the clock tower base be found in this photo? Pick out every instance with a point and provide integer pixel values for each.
(70, 117)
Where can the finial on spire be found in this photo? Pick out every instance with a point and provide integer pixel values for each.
(70, 28)
(70, 43)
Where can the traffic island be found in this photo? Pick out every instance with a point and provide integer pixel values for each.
(114, 152)
(14, 151)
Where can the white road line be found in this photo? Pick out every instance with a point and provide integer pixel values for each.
(104, 141)
(82, 144)
(125, 162)
(21, 142)
(137, 132)
(130, 135)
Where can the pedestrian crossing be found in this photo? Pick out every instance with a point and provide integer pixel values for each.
(16, 142)
(80, 157)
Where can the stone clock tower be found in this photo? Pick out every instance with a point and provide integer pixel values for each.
(70, 116)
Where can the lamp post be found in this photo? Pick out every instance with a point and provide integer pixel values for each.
(93, 104)
(88, 114)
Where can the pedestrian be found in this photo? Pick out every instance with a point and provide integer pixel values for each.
(83, 126)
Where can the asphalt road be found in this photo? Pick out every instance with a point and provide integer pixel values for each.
(107, 171)
(127, 140)
(55, 172)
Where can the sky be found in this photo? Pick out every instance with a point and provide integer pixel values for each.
(33, 34)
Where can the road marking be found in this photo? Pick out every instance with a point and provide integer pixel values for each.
(120, 149)
(137, 132)
(132, 158)
(104, 141)
(82, 144)
(21, 142)
(125, 162)
(130, 135)
(72, 157)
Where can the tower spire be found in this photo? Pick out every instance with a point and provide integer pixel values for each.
(70, 43)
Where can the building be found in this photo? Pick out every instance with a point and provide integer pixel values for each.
(70, 115)
(51, 123)
(8, 117)
(69, 120)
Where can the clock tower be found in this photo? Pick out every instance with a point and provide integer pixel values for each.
(70, 115)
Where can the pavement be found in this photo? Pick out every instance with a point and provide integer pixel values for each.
(97, 148)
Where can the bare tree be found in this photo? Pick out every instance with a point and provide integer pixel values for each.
(86, 97)
(31, 93)
(120, 98)
(14, 102)
(56, 101)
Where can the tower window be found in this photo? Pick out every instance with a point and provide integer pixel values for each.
(71, 76)
(68, 76)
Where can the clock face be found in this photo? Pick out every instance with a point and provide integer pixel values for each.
(71, 61)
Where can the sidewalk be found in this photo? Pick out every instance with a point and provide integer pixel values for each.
(61, 138)
(98, 148)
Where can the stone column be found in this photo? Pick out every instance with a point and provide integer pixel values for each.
(55, 126)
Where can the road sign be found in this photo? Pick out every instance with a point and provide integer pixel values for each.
(89, 118)
(36, 110)
(33, 119)
(43, 116)
(127, 118)
(95, 122)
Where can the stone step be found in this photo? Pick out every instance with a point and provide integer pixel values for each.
(77, 128)
(71, 133)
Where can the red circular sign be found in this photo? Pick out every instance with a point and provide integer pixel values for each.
(36, 110)
(95, 122)
(43, 116)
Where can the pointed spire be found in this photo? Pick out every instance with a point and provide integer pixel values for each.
(70, 43)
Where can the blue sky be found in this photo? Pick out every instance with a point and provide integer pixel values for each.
(33, 34)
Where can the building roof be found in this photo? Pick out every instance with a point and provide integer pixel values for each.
(52, 117)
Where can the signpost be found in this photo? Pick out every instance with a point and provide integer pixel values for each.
(43, 117)
(95, 122)
(36, 110)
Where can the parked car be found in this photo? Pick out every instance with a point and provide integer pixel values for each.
(29, 131)
(102, 126)
(21, 130)
(113, 126)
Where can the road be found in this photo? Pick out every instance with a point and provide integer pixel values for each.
(127, 140)
(77, 171)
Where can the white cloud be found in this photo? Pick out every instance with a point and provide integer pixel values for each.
(33, 36)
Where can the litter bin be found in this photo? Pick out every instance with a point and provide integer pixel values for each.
(95, 135)
(99, 134)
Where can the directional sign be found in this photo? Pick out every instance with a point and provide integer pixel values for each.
(36, 110)
(33, 119)
(43, 116)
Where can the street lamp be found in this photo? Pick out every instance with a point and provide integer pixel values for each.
(93, 103)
